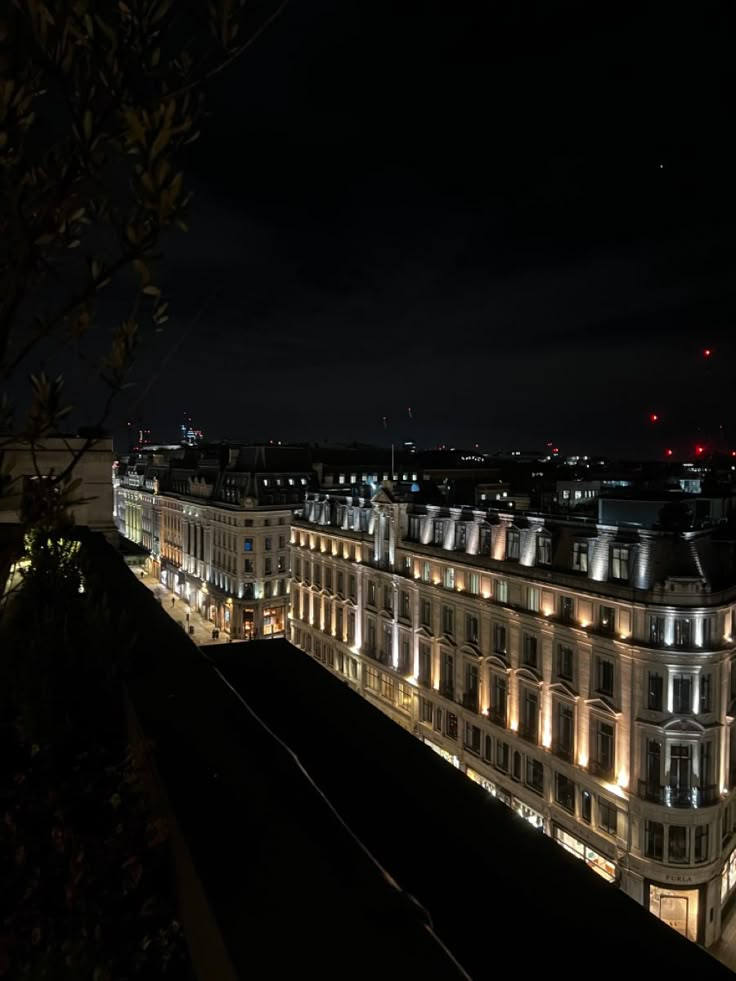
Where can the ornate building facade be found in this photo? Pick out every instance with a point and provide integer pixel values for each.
(580, 672)
(216, 521)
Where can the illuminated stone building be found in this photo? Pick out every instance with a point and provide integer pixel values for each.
(580, 672)
(222, 515)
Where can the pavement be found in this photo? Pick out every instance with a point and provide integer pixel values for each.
(184, 614)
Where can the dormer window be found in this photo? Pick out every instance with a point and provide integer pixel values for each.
(544, 550)
(513, 544)
(620, 562)
(461, 535)
(580, 556)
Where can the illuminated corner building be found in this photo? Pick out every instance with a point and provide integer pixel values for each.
(581, 672)
(224, 514)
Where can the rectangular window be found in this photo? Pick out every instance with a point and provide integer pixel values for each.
(683, 632)
(328, 578)
(488, 749)
(425, 613)
(533, 599)
(426, 572)
(352, 591)
(404, 606)
(501, 588)
(449, 577)
(499, 700)
(499, 639)
(425, 666)
(388, 599)
(502, 756)
(706, 775)
(680, 774)
(471, 629)
(565, 734)
(678, 844)
(438, 532)
(513, 545)
(451, 725)
(387, 642)
(447, 675)
(472, 738)
(534, 775)
(607, 816)
(248, 545)
(448, 620)
(529, 723)
(567, 609)
(654, 840)
(605, 676)
(473, 581)
(682, 694)
(267, 567)
(341, 583)
(426, 710)
(470, 695)
(707, 630)
(316, 574)
(405, 666)
(620, 562)
(607, 620)
(371, 593)
(544, 550)
(565, 792)
(701, 843)
(351, 628)
(705, 692)
(370, 644)
(655, 689)
(529, 651)
(656, 631)
(586, 806)
(461, 535)
(580, 556)
(564, 662)
(267, 543)
(604, 749)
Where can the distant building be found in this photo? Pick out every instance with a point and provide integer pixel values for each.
(216, 520)
(189, 435)
(582, 673)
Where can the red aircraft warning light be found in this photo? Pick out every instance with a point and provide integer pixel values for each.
(699, 450)
(653, 417)
(668, 452)
(707, 352)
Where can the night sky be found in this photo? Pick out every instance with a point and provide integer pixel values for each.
(519, 222)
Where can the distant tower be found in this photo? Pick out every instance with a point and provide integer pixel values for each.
(189, 435)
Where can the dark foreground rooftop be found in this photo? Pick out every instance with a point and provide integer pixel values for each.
(495, 888)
